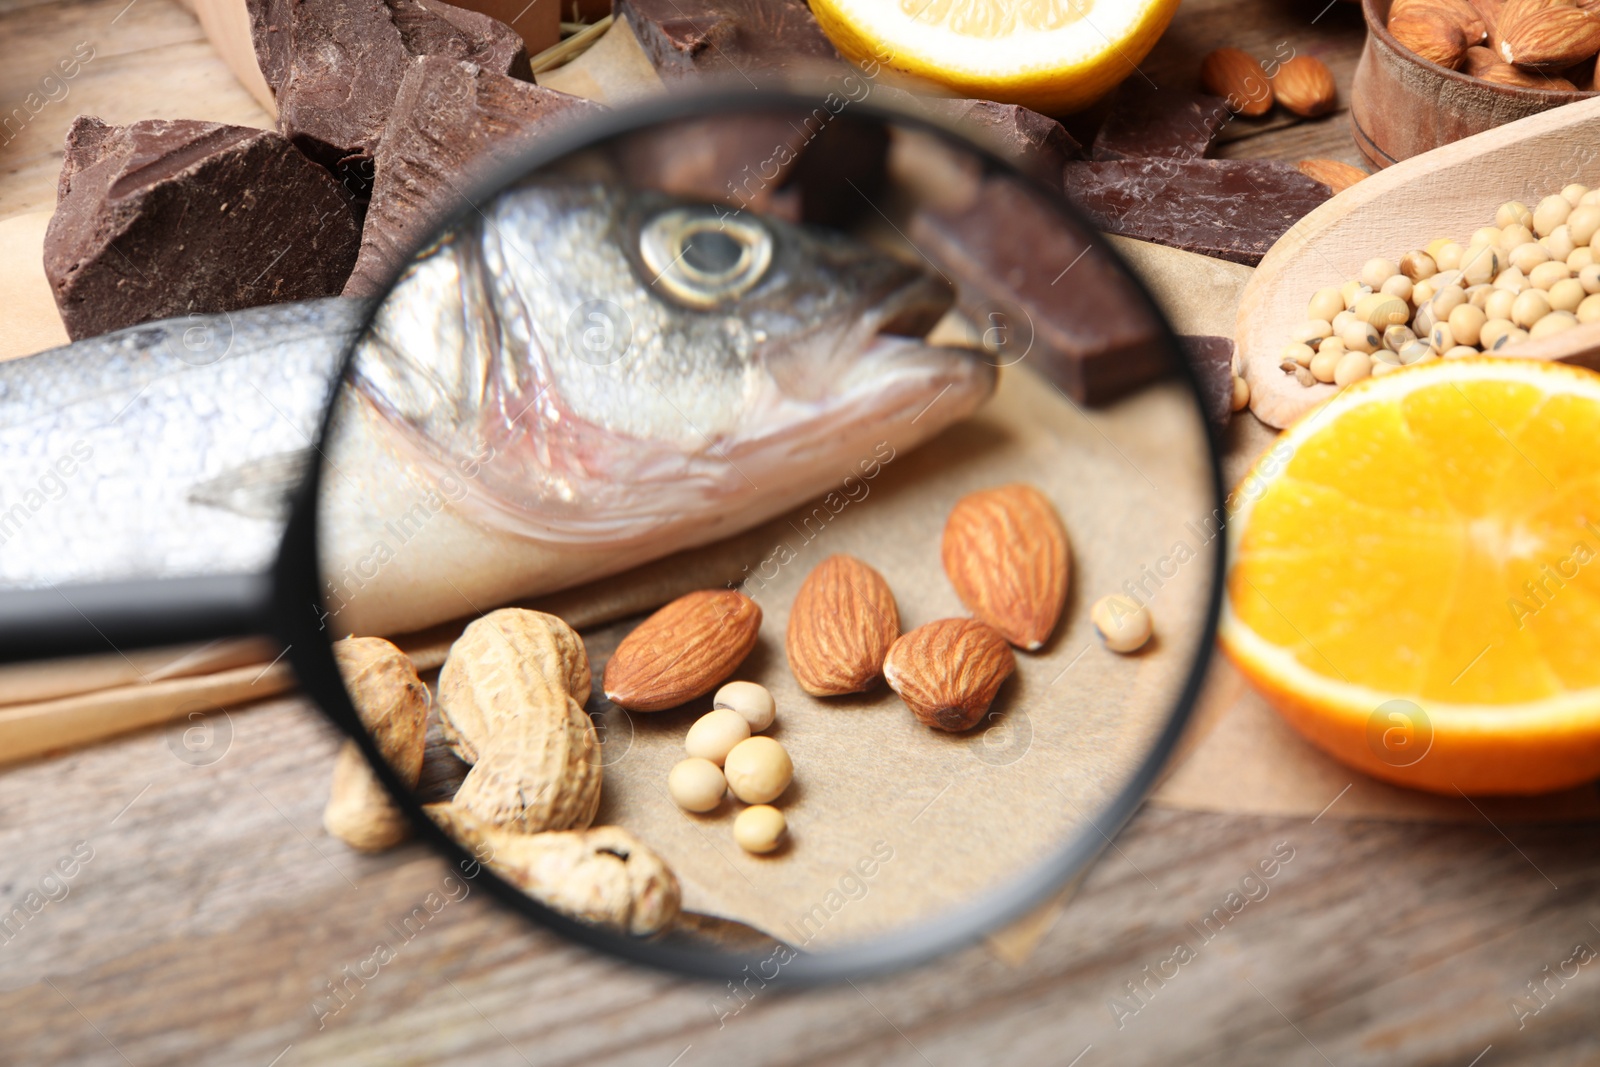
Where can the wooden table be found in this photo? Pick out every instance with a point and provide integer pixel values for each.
(212, 914)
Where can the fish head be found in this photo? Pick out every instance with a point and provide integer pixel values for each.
(635, 363)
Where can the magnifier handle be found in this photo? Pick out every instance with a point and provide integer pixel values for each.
(77, 620)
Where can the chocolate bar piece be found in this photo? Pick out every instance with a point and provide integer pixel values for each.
(163, 218)
(1024, 274)
(737, 37)
(1229, 208)
(335, 66)
(1212, 361)
(1147, 122)
(453, 123)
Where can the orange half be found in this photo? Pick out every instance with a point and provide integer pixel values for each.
(1415, 576)
(1053, 56)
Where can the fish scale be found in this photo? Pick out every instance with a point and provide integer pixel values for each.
(159, 416)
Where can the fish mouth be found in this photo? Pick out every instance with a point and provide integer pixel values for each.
(880, 381)
(900, 308)
(915, 308)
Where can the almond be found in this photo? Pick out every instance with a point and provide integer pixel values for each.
(1489, 12)
(1547, 33)
(949, 671)
(1480, 59)
(1429, 37)
(1006, 553)
(1305, 86)
(1483, 63)
(1465, 16)
(1506, 74)
(683, 651)
(1235, 76)
(840, 628)
(1330, 172)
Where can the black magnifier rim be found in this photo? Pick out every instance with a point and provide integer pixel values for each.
(299, 614)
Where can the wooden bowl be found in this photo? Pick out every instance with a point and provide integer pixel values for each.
(1449, 192)
(1401, 105)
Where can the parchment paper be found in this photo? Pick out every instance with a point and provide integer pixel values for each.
(941, 818)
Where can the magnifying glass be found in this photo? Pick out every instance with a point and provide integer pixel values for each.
(750, 537)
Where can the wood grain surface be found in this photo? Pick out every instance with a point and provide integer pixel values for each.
(213, 914)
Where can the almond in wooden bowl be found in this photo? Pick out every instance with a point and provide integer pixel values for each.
(1546, 35)
(1403, 104)
(1438, 40)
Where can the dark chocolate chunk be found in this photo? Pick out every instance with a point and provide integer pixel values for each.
(335, 66)
(163, 218)
(737, 37)
(1212, 360)
(453, 122)
(1050, 294)
(1036, 144)
(1147, 122)
(434, 28)
(1229, 208)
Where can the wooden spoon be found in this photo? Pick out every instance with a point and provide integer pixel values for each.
(1448, 192)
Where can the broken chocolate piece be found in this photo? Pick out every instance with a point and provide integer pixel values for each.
(453, 123)
(1052, 294)
(1146, 122)
(1229, 208)
(164, 218)
(1037, 145)
(334, 67)
(434, 28)
(738, 37)
(1212, 361)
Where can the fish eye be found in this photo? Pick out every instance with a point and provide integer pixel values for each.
(702, 260)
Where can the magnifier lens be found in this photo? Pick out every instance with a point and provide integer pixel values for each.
(653, 464)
